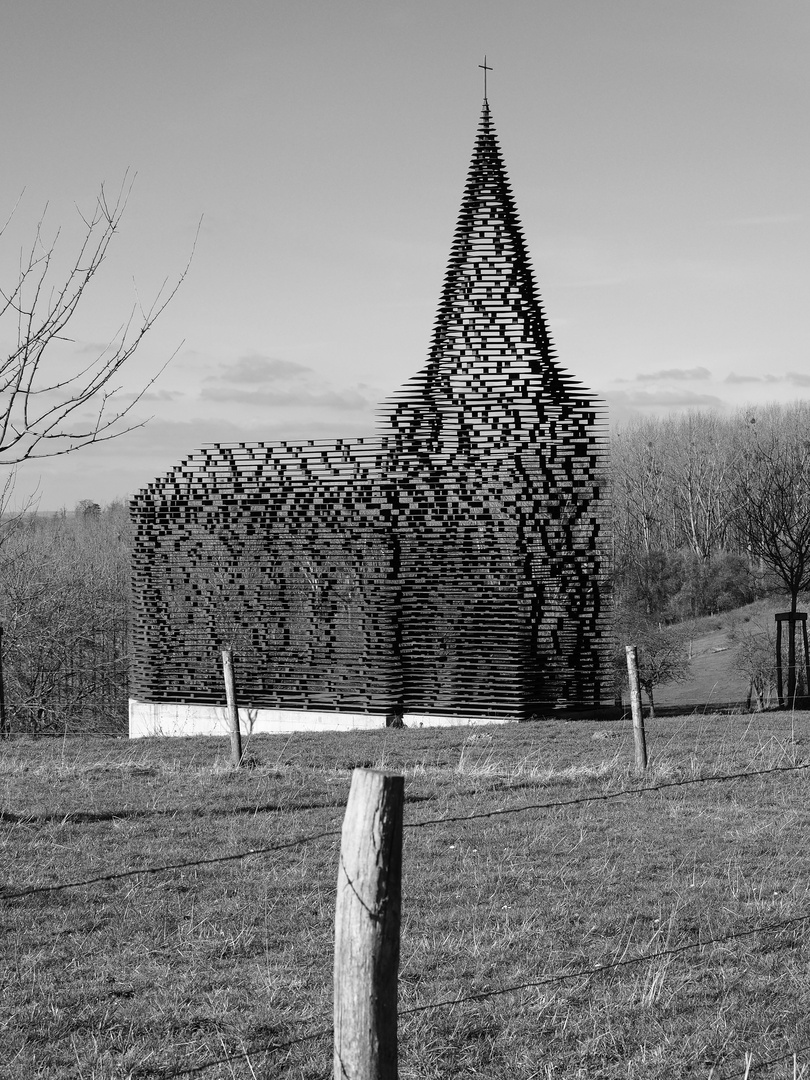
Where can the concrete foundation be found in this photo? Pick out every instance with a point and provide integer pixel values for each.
(150, 719)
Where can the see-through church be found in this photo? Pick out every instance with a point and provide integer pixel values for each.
(449, 569)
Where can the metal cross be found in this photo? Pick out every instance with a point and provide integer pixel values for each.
(486, 69)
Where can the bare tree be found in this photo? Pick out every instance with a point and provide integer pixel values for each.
(699, 462)
(640, 498)
(662, 653)
(49, 406)
(754, 658)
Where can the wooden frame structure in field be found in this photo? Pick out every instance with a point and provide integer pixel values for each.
(450, 569)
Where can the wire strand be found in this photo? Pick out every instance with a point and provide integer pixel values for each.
(599, 969)
(117, 876)
(605, 796)
(272, 1048)
(755, 1067)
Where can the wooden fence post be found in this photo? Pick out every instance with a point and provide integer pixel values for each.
(780, 697)
(635, 704)
(367, 918)
(233, 709)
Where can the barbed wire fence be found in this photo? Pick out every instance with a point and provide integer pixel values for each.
(752, 1066)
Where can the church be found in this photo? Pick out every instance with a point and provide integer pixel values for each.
(450, 569)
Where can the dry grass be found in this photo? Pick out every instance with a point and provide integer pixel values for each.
(147, 974)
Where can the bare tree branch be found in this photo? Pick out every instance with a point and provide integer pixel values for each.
(48, 413)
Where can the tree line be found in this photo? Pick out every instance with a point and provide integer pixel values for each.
(64, 600)
(703, 504)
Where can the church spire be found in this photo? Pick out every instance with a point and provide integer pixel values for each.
(491, 356)
(489, 304)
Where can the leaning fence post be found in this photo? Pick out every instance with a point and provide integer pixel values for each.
(233, 709)
(367, 916)
(635, 704)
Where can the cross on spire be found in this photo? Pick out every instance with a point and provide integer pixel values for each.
(486, 69)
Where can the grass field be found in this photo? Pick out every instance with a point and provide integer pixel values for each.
(149, 975)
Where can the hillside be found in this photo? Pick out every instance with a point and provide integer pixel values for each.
(715, 643)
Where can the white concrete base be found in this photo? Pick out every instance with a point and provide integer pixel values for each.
(162, 719)
(438, 720)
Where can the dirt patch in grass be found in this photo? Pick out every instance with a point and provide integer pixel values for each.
(148, 974)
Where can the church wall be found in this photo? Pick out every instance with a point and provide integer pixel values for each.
(281, 553)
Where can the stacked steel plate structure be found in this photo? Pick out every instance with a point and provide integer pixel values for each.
(452, 566)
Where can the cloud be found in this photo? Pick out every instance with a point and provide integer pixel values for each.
(87, 348)
(733, 377)
(152, 395)
(675, 373)
(303, 396)
(256, 370)
(792, 378)
(258, 380)
(663, 398)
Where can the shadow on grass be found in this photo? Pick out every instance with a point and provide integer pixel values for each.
(82, 817)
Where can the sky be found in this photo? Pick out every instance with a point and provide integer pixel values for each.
(312, 155)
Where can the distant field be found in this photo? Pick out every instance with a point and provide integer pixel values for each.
(150, 975)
